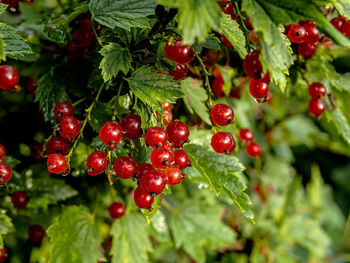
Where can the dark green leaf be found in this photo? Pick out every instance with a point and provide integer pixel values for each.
(6, 225)
(100, 115)
(11, 161)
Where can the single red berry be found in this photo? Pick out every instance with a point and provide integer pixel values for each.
(317, 89)
(222, 114)
(307, 49)
(156, 137)
(178, 52)
(211, 57)
(97, 163)
(317, 106)
(252, 66)
(84, 38)
(131, 125)
(57, 145)
(218, 86)
(312, 33)
(167, 106)
(253, 149)
(2, 152)
(111, 134)
(36, 233)
(62, 109)
(178, 133)
(258, 88)
(9, 78)
(181, 159)
(125, 167)
(223, 142)
(168, 117)
(236, 93)
(142, 169)
(338, 23)
(153, 182)
(162, 158)
(5, 173)
(180, 72)
(116, 210)
(69, 127)
(84, 21)
(20, 200)
(346, 29)
(142, 199)
(173, 175)
(297, 34)
(57, 163)
(246, 135)
(3, 254)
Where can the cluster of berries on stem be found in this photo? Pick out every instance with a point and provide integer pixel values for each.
(246, 136)
(5, 169)
(317, 104)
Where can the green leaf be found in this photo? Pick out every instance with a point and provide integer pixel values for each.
(115, 58)
(2, 8)
(142, 110)
(196, 226)
(230, 29)
(195, 99)
(343, 7)
(122, 13)
(222, 173)
(100, 114)
(6, 225)
(130, 240)
(74, 237)
(227, 74)
(11, 161)
(2, 49)
(152, 88)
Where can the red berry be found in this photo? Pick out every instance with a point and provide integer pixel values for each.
(3, 254)
(84, 21)
(142, 169)
(156, 137)
(168, 117)
(57, 145)
(253, 149)
(5, 173)
(178, 133)
(346, 29)
(142, 199)
(153, 182)
(84, 38)
(231, 149)
(9, 78)
(20, 200)
(227, 9)
(258, 88)
(317, 106)
(307, 49)
(181, 159)
(313, 34)
(317, 89)
(180, 72)
(2, 152)
(111, 134)
(218, 86)
(297, 34)
(96, 163)
(69, 127)
(124, 167)
(116, 210)
(178, 52)
(63, 109)
(131, 125)
(338, 23)
(222, 114)
(223, 142)
(162, 158)
(36, 233)
(57, 163)
(167, 106)
(173, 175)
(252, 66)
(246, 135)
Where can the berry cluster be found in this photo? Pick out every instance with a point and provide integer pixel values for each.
(317, 105)
(253, 149)
(5, 169)
(341, 25)
(9, 78)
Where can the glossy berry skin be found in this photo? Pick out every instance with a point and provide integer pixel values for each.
(36, 233)
(173, 175)
(116, 210)
(131, 125)
(62, 109)
(178, 133)
(252, 66)
(142, 169)
(156, 137)
(168, 117)
(222, 114)
(57, 145)
(111, 134)
(218, 87)
(153, 182)
(69, 127)
(3, 254)
(5, 173)
(178, 52)
(2, 152)
(96, 163)
(180, 72)
(57, 163)
(20, 200)
(142, 199)
(297, 34)
(9, 77)
(167, 106)
(317, 89)
(181, 159)
(338, 23)
(307, 50)
(346, 29)
(253, 149)
(162, 158)
(124, 167)
(231, 149)
(258, 88)
(84, 38)
(223, 142)
(246, 135)
(312, 33)
(317, 106)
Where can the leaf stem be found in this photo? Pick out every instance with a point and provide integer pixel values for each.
(94, 30)
(241, 22)
(78, 102)
(206, 75)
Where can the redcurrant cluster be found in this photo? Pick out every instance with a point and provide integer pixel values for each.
(317, 105)
(9, 78)
(342, 25)
(253, 149)
(5, 169)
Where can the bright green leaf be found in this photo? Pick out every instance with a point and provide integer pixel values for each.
(343, 7)
(6, 225)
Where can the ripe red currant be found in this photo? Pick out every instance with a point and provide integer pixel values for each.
(222, 114)
(181, 159)
(253, 149)
(5, 173)
(57, 163)
(317, 106)
(116, 210)
(307, 50)
(180, 72)
(2, 152)
(223, 142)
(317, 89)
(168, 117)
(227, 9)
(96, 163)
(297, 34)
(173, 175)
(111, 134)
(69, 127)
(62, 109)
(252, 66)
(338, 23)
(20, 200)
(36, 233)
(153, 182)
(142, 199)
(346, 29)
(9, 78)
(3, 254)
(84, 38)
(178, 52)
(312, 33)
(131, 125)
(246, 135)
(178, 133)
(258, 88)
(57, 145)
(218, 86)
(167, 106)
(162, 158)
(125, 167)
(142, 169)
(156, 137)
